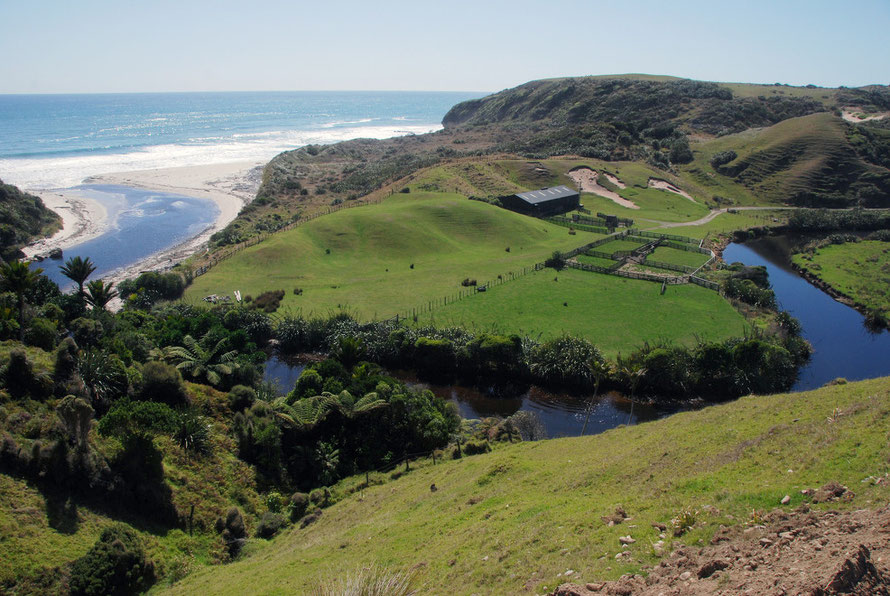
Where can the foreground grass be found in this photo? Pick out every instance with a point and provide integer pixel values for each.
(379, 260)
(515, 520)
(615, 313)
(860, 270)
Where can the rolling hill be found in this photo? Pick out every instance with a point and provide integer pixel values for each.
(518, 519)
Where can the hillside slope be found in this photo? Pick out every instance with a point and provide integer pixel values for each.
(519, 519)
(23, 217)
(664, 122)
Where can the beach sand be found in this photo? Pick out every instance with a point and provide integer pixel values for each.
(230, 186)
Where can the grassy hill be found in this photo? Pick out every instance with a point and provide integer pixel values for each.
(378, 260)
(515, 520)
(805, 161)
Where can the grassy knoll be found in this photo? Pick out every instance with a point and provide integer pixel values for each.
(379, 260)
(514, 520)
(860, 270)
(675, 256)
(615, 313)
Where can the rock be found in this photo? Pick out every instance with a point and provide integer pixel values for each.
(765, 542)
(626, 539)
(712, 567)
(569, 572)
(685, 576)
(786, 499)
(56, 254)
(595, 587)
(659, 526)
(854, 572)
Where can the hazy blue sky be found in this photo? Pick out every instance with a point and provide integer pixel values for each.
(51, 46)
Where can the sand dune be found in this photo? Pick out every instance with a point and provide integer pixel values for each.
(586, 179)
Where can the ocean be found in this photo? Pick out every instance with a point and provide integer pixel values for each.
(57, 141)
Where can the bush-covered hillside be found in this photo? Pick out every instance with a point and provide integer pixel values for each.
(23, 217)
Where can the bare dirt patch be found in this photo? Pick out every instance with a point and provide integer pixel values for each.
(586, 179)
(614, 180)
(665, 185)
(792, 552)
(854, 115)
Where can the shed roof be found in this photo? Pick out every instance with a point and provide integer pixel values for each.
(546, 194)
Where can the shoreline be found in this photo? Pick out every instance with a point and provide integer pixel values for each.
(230, 186)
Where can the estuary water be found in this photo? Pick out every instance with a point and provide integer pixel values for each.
(842, 345)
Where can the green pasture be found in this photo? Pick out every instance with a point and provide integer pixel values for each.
(620, 244)
(675, 256)
(860, 270)
(615, 313)
(381, 259)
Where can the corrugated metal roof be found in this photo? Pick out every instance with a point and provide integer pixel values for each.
(546, 194)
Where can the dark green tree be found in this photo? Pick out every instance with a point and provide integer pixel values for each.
(99, 294)
(17, 277)
(78, 270)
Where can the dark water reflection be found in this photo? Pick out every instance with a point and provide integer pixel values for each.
(561, 413)
(842, 345)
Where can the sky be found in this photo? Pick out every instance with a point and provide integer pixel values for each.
(97, 46)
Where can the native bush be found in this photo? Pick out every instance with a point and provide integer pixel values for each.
(241, 397)
(116, 565)
(270, 524)
(564, 361)
(298, 505)
(42, 333)
(162, 383)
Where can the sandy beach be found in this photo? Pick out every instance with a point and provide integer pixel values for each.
(230, 186)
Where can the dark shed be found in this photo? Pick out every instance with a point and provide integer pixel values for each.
(543, 202)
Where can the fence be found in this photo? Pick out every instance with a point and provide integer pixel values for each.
(567, 223)
(705, 283)
(683, 239)
(670, 266)
(628, 223)
(687, 247)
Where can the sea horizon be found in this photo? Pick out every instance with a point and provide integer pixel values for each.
(55, 141)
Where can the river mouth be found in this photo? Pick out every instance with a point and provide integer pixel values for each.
(843, 345)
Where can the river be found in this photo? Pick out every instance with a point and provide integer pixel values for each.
(842, 347)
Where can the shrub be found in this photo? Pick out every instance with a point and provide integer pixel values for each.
(270, 524)
(116, 564)
(233, 531)
(299, 503)
(19, 378)
(556, 261)
(564, 361)
(308, 385)
(162, 383)
(434, 357)
(529, 425)
(87, 332)
(369, 581)
(476, 447)
(42, 334)
(320, 497)
(268, 302)
(241, 398)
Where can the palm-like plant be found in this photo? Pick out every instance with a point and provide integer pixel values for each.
(17, 277)
(78, 270)
(305, 414)
(633, 374)
(99, 294)
(203, 364)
